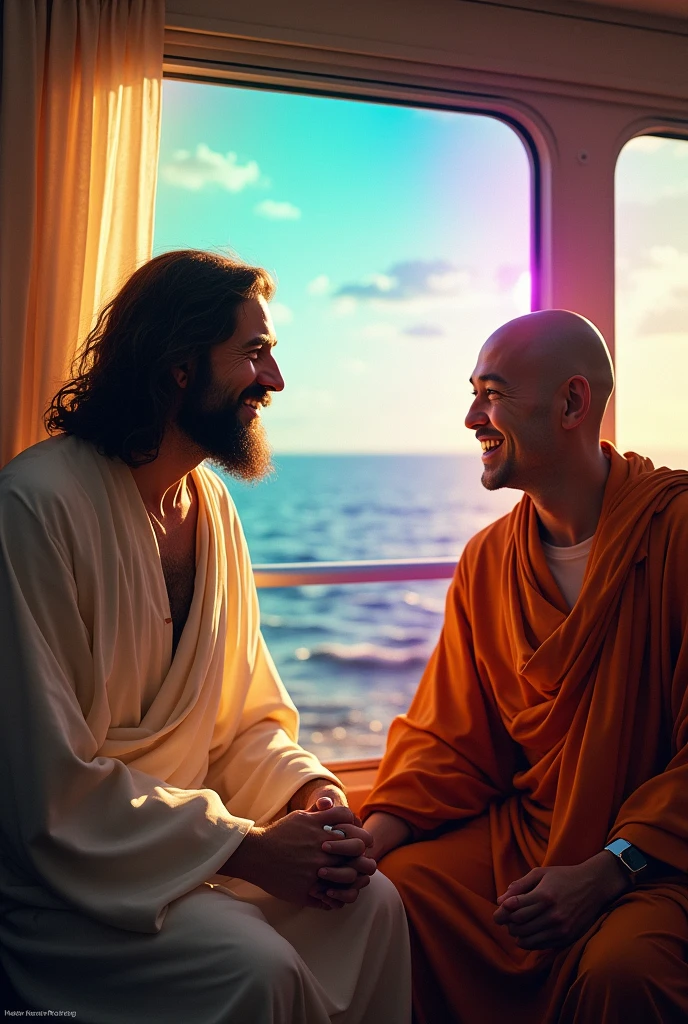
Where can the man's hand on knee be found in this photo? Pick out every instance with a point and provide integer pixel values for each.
(553, 906)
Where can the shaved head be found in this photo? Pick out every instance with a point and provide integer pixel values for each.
(554, 345)
(542, 383)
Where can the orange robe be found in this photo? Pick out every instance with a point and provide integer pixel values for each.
(537, 736)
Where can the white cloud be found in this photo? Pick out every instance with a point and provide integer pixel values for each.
(408, 279)
(449, 283)
(319, 285)
(281, 314)
(277, 210)
(431, 299)
(383, 282)
(345, 305)
(438, 304)
(205, 167)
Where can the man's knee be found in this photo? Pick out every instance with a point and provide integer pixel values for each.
(381, 905)
(383, 893)
(608, 970)
(626, 968)
(243, 959)
(264, 973)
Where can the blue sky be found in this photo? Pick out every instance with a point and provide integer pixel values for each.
(399, 239)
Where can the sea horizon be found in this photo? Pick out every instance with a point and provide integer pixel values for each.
(351, 655)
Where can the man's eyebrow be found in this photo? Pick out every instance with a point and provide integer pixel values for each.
(262, 339)
(484, 377)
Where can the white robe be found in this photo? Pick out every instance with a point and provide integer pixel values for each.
(130, 777)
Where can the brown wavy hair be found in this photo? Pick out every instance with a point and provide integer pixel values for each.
(170, 311)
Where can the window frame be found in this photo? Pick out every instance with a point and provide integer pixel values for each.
(179, 69)
(562, 162)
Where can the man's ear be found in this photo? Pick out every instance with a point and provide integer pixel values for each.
(181, 375)
(577, 405)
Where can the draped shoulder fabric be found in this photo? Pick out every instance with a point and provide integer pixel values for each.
(555, 731)
(129, 776)
(79, 139)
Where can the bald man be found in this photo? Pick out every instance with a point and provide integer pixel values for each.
(532, 806)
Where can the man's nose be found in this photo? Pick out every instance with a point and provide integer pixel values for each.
(475, 417)
(269, 375)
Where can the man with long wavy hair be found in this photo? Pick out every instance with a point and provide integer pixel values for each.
(169, 845)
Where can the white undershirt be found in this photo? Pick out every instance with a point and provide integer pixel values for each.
(567, 565)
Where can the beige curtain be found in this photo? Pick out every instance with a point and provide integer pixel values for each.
(79, 132)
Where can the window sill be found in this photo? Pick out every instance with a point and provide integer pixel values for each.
(357, 777)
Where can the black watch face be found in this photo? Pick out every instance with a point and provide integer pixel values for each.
(634, 859)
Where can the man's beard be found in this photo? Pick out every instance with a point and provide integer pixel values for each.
(500, 476)
(212, 422)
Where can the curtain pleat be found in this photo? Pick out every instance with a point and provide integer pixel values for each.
(79, 134)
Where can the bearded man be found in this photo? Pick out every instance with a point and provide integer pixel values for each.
(532, 806)
(167, 844)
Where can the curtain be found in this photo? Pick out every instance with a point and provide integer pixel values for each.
(79, 133)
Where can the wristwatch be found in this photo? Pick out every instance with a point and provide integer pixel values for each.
(633, 859)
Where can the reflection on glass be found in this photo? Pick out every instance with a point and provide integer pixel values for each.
(652, 298)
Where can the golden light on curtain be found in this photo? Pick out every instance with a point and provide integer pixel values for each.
(79, 135)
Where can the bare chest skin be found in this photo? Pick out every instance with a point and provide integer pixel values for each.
(177, 546)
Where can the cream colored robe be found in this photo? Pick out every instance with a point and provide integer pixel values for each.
(129, 777)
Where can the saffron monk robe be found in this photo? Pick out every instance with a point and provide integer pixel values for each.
(164, 853)
(532, 806)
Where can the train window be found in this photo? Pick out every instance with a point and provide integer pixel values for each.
(652, 298)
(400, 239)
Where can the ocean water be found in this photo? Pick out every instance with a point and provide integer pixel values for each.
(351, 655)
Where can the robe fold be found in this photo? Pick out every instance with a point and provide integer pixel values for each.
(128, 776)
(538, 735)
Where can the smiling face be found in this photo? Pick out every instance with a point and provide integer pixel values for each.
(540, 389)
(220, 411)
(513, 419)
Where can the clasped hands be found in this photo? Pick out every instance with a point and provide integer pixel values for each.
(551, 907)
(349, 867)
(295, 859)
